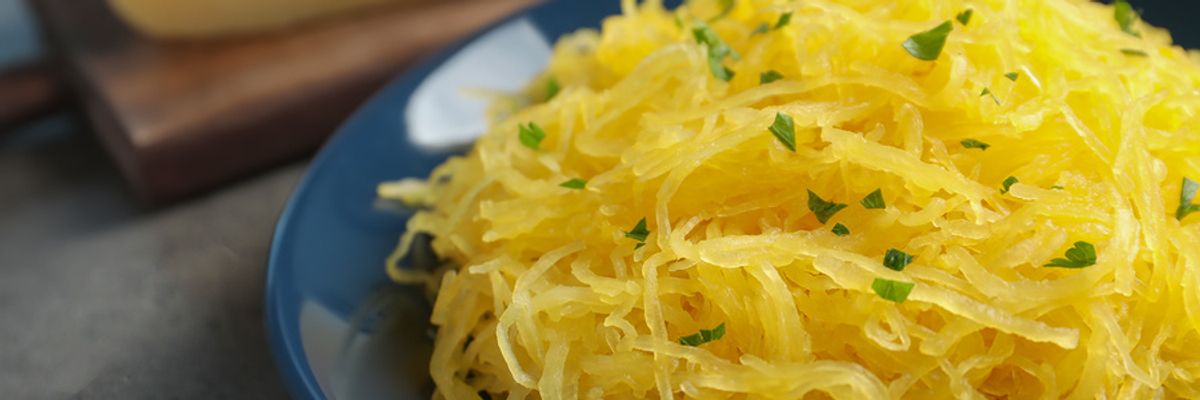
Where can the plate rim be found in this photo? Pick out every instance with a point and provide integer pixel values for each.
(288, 354)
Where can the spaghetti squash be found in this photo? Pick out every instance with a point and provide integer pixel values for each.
(828, 199)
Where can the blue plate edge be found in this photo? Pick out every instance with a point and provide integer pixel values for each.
(290, 361)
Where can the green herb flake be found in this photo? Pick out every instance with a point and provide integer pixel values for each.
(574, 183)
(720, 71)
(531, 135)
(1012, 76)
(785, 130)
(1134, 53)
(896, 260)
(974, 144)
(1082, 255)
(717, 51)
(874, 200)
(988, 92)
(890, 290)
(762, 27)
(1008, 182)
(928, 45)
(769, 76)
(639, 232)
(784, 20)
(552, 88)
(1126, 17)
(706, 36)
(1187, 194)
(841, 230)
(964, 17)
(704, 336)
(1057, 187)
(824, 210)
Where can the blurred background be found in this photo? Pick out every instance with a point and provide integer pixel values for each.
(146, 149)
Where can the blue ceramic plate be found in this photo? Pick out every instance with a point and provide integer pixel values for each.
(337, 326)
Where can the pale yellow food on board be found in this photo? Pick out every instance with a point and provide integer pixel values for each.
(545, 296)
(197, 19)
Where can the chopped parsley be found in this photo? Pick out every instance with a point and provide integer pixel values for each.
(928, 45)
(1187, 194)
(531, 135)
(1082, 255)
(874, 200)
(552, 88)
(784, 20)
(1126, 17)
(896, 260)
(1012, 76)
(769, 76)
(974, 144)
(1134, 53)
(965, 16)
(762, 27)
(717, 51)
(988, 92)
(707, 37)
(784, 130)
(841, 230)
(574, 183)
(1057, 187)
(824, 210)
(639, 233)
(1008, 182)
(890, 290)
(704, 336)
(720, 71)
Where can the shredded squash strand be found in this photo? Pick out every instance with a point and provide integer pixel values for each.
(545, 295)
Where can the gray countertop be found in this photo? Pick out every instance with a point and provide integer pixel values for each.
(103, 298)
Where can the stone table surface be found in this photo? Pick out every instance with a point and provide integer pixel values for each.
(104, 298)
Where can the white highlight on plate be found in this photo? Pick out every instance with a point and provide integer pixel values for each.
(321, 335)
(441, 114)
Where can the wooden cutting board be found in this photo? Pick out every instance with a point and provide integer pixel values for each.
(27, 92)
(182, 117)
